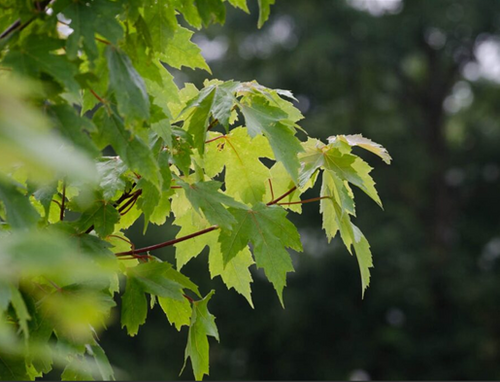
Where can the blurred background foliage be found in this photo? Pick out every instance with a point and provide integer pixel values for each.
(422, 78)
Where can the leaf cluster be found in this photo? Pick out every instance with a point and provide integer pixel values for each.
(88, 77)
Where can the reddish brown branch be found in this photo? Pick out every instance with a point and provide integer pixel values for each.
(216, 138)
(131, 202)
(125, 196)
(212, 124)
(271, 187)
(103, 41)
(61, 215)
(304, 201)
(168, 243)
(125, 240)
(275, 201)
(56, 202)
(99, 98)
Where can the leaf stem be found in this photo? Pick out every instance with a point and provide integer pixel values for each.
(126, 195)
(216, 138)
(17, 25)
(304, 201)
(275, 201)
(103, 41)
(168, 243)
(61, 215)
(212, 124)
(102, 100)
(125, 240)
(271, 187)
(131, 202)
(188, 298)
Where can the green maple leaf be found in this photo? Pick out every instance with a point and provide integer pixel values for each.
(335, 218)
(263, 118)
(152, 280)
(74, 127)
(180, 51)
(337, 158)
(190, 11)
(235, 273)
(21, 310)
(211, 11)
(102, 215)
(158, 279)
(134, 307)
(148, 200)
(264, 11)
(132, 150)
(364, 256)
(336, 208)
(20, 212)
(78, 369)
(242, 4)
(189, 249)
(268, 229)
(34, 57)
(127, 85)
(87, 19)
(365, 143)
(246, 176)
(354, 170)
(159, 16)
(206, 197)
(111, 179)
(178, 312)
(201, 327)
(13, 367)
(102, 362)
(216, 100)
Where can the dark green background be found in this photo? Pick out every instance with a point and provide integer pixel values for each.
(433, 308)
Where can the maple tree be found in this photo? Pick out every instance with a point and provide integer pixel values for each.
(94, 134)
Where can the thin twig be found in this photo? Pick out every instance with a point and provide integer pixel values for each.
(130, 202)
(103, 101)
(282, 196)
(103, 41)
(61, 215)
(271, 187)
(168, 243)
(17, 25)
(212, 124)
(125, 196)
(125, 240)
(216, 138)
(56, 202)
(304, 201)
(12, 28)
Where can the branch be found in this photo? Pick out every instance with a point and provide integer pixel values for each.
(168, 243)
(131, 202)
(11, 29)
(212, 124)
(275, 201)
(17, 25)
(126, 195)
(216, 138)
(99, 98)
(61, 215)
(271, 187)
(304, 201)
